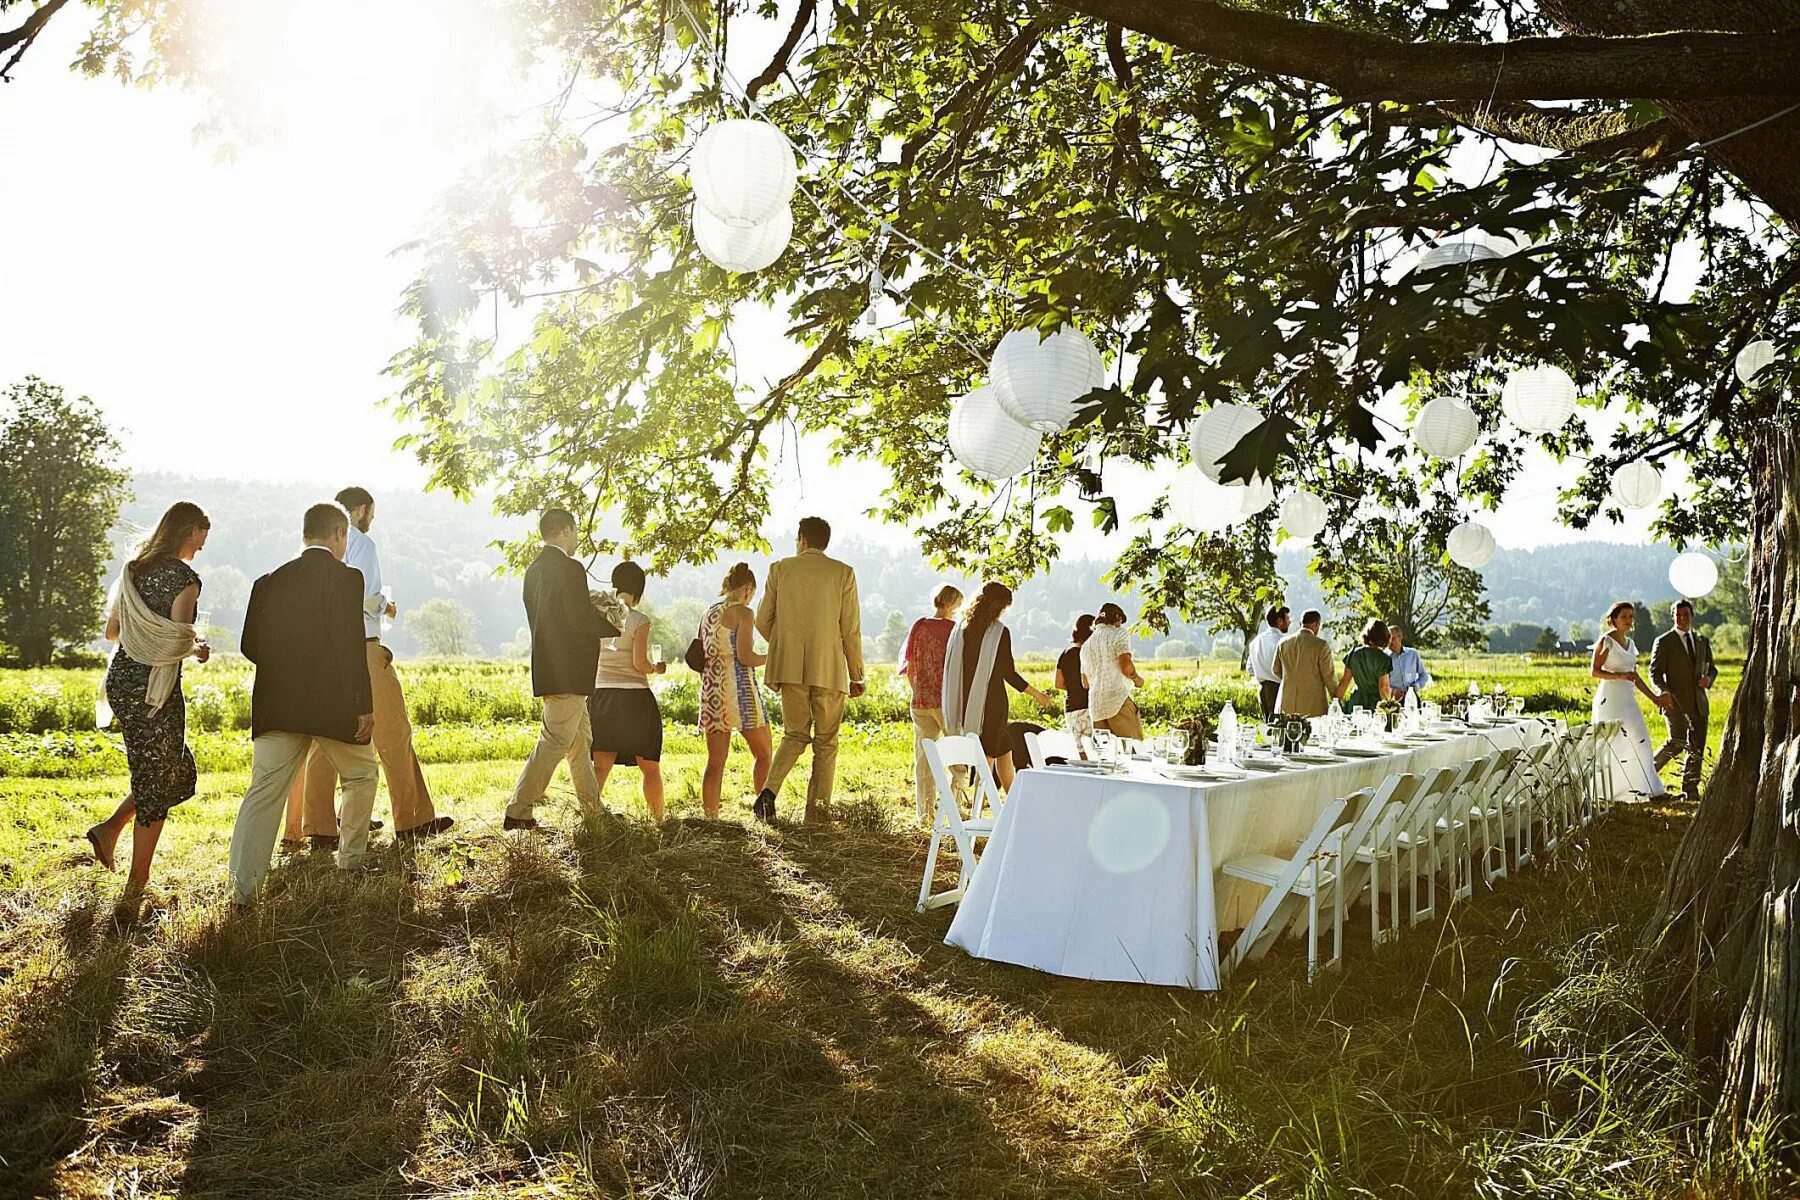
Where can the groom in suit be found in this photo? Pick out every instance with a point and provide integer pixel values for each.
(1681, 666)
(304, 631)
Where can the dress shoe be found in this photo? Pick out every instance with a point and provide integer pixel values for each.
(519, 823)
(764, 808)
(322, 841)
(430, 828)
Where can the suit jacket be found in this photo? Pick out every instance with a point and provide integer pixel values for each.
(1308, 682)
(1673, 671)
(304, 631)
(813, 622)
(565, 627)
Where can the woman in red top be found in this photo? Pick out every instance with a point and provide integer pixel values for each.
(922, 662)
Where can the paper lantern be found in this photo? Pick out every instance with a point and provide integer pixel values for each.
(1470, 545)
(1210, 507)
(1446, 427)
(1039, 379)
(1460, 258)
(1693, 574)
(1538, 399)
(1254, 496)
(1217, 433)
(988, 442)
(1303, 515)
(743, 248)
(743, 172)
(1752, 359)
(1637, 484)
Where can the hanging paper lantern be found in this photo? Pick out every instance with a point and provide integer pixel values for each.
(743, 248)
(1217, 433)
(1637, 484)
(1752, 359)
(1460, 258)
(1538, 399)
(1470, 545)
(1256, 495)
(1038, 380)
(1302, 516)
(1210, 507)
(743, 172)
(988, 442)
(1446, 427)
(1693, 574)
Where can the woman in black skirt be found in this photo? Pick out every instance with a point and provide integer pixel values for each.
(627, 723)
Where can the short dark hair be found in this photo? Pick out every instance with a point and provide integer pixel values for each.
(1084, 628)
(1311, 616)
(324, 521)
(353, 498)
(1276, 613)
(1110, 614)
(628, 577)
(1684, 603)
(1375, 633)
(554, 521)
(816, 531)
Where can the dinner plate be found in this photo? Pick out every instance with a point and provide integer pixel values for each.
(1192, 773)
(1396, 744)
(1266, 765)
(1079, 768)
(1359, 752)
(1312, 756)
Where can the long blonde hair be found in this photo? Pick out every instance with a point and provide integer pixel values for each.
(170, 535)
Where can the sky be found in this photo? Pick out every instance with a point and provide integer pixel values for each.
(232, 315)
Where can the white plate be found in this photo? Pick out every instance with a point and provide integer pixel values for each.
(1192, 773)
(1266, 766)
(1312, 756)
(1359, 752)
(1079, 768)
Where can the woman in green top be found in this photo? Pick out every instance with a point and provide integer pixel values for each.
(1367, 667)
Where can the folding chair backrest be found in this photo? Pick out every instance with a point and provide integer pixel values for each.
(963, 750)
(1051, 743)
(1391, 797)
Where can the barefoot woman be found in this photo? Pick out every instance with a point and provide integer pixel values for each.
(151, 616)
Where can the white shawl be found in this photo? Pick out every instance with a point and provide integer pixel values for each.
(958, 700)
(152, 639)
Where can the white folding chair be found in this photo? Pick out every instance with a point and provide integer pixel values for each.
(1487, 814)
(1597, 795)
(1309, 873)
(1417, 832)
(1518, 802)
(941, 755)
(1453, 829)
(1051, 743)
(1363, 858)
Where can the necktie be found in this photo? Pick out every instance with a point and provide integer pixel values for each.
(1687, 639)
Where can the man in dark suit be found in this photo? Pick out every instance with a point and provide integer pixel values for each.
(1681, 666)
(565, 653)
(304, 631)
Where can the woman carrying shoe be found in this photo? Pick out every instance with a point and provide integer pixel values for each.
(730, 697)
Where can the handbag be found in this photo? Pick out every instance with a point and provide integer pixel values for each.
(695, 657)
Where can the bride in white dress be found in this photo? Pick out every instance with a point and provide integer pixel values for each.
(1632, 755)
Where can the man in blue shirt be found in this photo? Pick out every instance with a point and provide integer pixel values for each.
(1409, 673)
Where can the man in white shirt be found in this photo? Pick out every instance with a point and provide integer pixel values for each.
(1260, 659)
(414, 814)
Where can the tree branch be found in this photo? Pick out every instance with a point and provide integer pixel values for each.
(24, 35)
(1599, 133)
(1359, 65)
(802, 18)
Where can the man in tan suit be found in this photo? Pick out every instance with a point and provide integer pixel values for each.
(813, 622)
(1303, 664)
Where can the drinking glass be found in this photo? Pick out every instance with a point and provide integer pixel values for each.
(202, 622)
(1175, 745)
(656, 653)
(1518, 706)
(387, 600)
(1104, 745)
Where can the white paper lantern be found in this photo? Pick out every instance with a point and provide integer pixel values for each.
(1446, 427)
(1693, 574)
(743, 171)
(1210, 507)
(1637, 484)
(1470, 545)
(1459, 258)
(988, 442)
(1538, 399)
(1217, 432)
(1303, 515)
(1038, 380)
(1752, 360)
(743, 248)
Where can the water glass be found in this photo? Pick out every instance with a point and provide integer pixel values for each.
(1175, 745)
(1105, 745)
(656, 653)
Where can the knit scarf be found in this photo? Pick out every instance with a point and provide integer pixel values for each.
(149, 638)
(963, 707)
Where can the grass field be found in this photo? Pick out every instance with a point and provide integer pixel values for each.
(719, 1009)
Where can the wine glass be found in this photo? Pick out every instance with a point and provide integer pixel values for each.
(656, 655)
(1175, 746)
(1104, 745)
(202, 622)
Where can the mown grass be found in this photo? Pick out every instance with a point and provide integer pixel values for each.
(718, 1009)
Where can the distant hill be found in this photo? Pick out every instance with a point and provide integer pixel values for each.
(433, 546)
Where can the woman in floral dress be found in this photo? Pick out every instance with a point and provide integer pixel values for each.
(154, 723)
(730, 697)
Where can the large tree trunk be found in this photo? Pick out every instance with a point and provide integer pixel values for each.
(1731, 911)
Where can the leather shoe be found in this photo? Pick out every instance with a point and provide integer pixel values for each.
(322, 841)
(430, 828)
(764, 808)
(519, 823)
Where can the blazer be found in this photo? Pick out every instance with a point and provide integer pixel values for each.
(813, 622)
(1673, 671)
(304, 631)
(565, 627)
(1308, 682)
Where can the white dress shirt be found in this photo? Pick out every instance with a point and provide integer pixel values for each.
(361, 554)
(1261, 660)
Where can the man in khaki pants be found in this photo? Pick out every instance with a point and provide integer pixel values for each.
(414, 814)
(813, 622)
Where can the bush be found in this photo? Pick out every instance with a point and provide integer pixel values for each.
(1175, 648)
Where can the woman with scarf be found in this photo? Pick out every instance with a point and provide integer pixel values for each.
(151, 616)
(978, 667)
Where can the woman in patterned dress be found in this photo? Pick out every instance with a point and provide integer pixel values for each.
(156, 750)
(730, 697)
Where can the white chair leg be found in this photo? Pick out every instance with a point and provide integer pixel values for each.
(930, 868)
(1312, 927)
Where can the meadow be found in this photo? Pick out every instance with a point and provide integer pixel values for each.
(723, 1009)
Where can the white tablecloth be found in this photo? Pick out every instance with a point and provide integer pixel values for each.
(1117, 876)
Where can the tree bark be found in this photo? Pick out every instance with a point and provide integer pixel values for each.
(1731, 910)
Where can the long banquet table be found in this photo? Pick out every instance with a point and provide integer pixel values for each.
(1117, 877)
